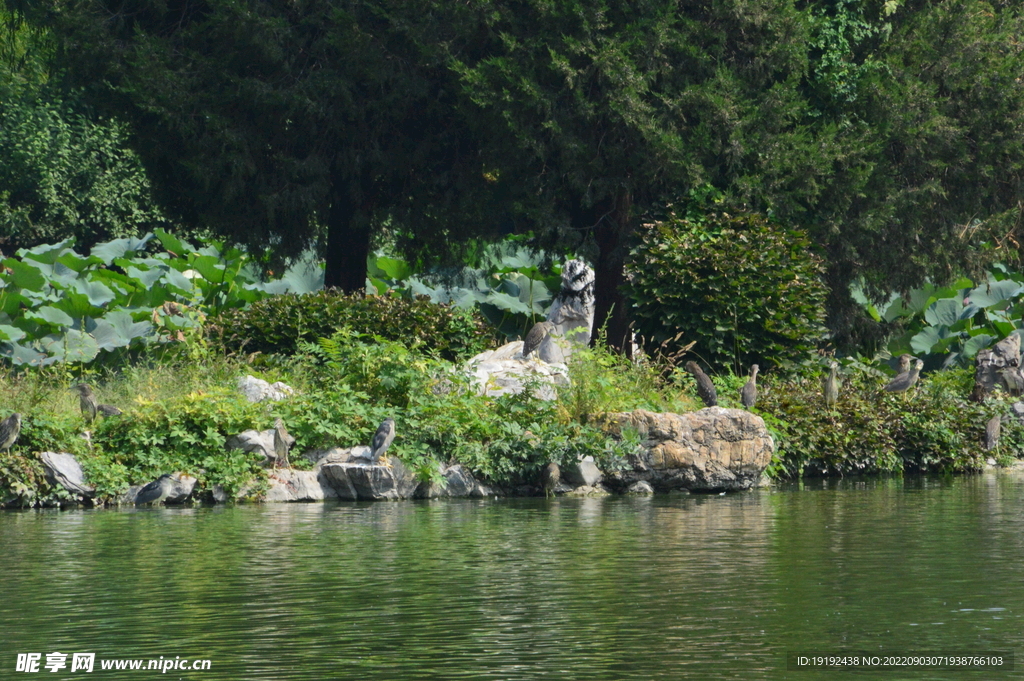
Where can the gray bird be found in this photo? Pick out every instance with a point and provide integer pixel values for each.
(10, 428)
(748, 395)
(705, 388)
(905, 362)
(282, 443)
(906, 380)
(536, 336)
(831, 389)
(87, 401)
(382, 439)
(108, 410)
(550, 476)
(156, 491)
(992, 430)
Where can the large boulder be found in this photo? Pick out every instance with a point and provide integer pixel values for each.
(257, 390)
(458, 482)
(583, 473)
(370, 482)
(504, 371)
(64, 470)
(287, 484)
(713, 449)
(259, 441)
(182, 486)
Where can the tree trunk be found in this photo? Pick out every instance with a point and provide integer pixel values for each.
(611, 309)
(348, 242)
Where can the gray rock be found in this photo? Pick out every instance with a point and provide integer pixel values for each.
(583, 473)
(989, 362)
(181, 488)
(64, 470)
(337, 455)
(572, 313)
(503, 372)
(713, 449)
(589, 491)
(371, 482)
(1018, 410)
(220, 495)
(258, 441)
(257, 390)
(640, 488)
(459, 483)
(288, 484)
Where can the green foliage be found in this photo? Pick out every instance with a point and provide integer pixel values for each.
(277, 324)
(57, 305)
(64, 175)
(511, 285)
(933, 429)
(745, 289)
(948, 325)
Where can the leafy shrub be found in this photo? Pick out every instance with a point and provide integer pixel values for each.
(745, 289)
(870, 431)
(277, 324)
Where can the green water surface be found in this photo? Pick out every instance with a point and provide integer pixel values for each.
(670, 587)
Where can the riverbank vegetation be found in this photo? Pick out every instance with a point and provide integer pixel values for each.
(775, 183)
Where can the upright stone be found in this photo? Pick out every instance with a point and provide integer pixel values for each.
(64, 470)
(991, 361)
(572, 313)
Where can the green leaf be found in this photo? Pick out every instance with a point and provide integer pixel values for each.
(975, 343)
(46, 253)
(50, 315)
(25, 276)
(118, 248)
(173, 244)
(10, 333)
(394, 268)
(928, 338)
(97, 293)
(994, 292)
(944, 312)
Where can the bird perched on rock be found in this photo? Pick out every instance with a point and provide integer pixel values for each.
(10, 428)
(536, 336)
(748, 395)
(550, 476)
(382, 439)
(156, 491)
(831, 388)
(282, 443)
(992, 430)
(705, 388)
(906, 380)
(87, 401)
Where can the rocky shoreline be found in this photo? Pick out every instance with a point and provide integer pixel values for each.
(711, 450)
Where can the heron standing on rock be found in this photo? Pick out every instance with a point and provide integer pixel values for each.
(550, 476)
(10, 428)
(906, 380)
(382, 439)
(156, 491)
(536, 336)
(87, 401)
(831, 389)
(705, 388)
(748, 395)
(282, 443)
(992, 430)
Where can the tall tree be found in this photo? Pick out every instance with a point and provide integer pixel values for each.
(265, 120)
(622, 106)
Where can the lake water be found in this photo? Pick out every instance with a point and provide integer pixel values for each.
(669, 587)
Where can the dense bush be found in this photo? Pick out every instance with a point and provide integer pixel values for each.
(745, 289)
(934, 428)
(277, 324)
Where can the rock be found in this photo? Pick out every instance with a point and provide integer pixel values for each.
(259, 441)
(713, 449)
(257, 390)
(64, 470)
(181, 489)
(459, 483)
(1018, 410)
(588, 491)
(220, 495)
(989, 362)
(583, 473)
(501, 372)
(572, 313)
(370, 482)
(640, 488)
(291, 485)
(337, 455)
